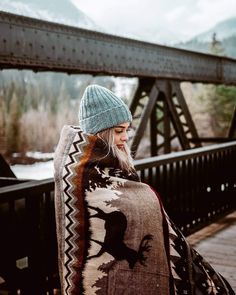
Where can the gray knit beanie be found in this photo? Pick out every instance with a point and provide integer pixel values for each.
(101, 109)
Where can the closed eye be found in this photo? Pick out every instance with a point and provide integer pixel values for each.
(118, 131)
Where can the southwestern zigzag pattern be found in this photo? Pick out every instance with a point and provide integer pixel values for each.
(71, 247)
(114, 236)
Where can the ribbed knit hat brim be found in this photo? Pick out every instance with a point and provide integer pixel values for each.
(101, 109)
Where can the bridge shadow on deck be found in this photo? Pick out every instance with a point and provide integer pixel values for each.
(217, 244)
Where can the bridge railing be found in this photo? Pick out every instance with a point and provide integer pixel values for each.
(28, 251)
(196, 186)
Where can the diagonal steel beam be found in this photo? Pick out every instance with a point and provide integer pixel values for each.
(27, 43)
(184, 107)
(144, 118)
(232, 127)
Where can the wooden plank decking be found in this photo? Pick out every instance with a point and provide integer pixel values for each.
(217, 244)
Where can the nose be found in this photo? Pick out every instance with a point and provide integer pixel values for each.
(124, 137)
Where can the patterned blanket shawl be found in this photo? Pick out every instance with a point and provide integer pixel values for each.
(113, 235)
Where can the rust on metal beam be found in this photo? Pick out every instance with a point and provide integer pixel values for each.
(28, 43)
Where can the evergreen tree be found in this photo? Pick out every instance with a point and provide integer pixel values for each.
(221, 98)
(216, 46)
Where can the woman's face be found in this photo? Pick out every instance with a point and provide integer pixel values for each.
(121, 134)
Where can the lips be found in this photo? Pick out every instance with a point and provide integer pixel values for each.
(120, 146)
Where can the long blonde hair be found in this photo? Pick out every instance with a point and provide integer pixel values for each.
(124, 156)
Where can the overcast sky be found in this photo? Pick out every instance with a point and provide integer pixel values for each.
(167, 21)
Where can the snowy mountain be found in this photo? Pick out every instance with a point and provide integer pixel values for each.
(65, 12)
(60, 11)
(223, 30)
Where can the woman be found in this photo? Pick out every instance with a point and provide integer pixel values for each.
(114, 236)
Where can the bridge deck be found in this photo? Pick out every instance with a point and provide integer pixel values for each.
(217, 243)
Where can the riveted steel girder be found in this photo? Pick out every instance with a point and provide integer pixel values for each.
(41, 45)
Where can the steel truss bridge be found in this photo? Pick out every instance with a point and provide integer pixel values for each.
(197, 184)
